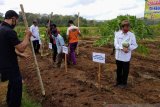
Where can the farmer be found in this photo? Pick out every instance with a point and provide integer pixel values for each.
(125, 43)
(35, 36)
(53, 28)
(9, 68)
(72, 33)
(59, 43)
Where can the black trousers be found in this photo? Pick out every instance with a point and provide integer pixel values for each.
(14, 93)
(60, 58)
(54, 48)
(36, 46)
(122, 72)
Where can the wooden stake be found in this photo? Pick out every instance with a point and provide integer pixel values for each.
(35, 59)
(78, 43)
(66, 62)
(99, 75)
(50, 51)
(41, 48)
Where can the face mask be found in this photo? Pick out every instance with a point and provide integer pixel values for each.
(13, 23)
(125, 30)
(13, 26)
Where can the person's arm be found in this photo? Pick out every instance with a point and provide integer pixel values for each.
(133, 44)
(22, 55)
(116, 44)
(23, 45)
(79, 32)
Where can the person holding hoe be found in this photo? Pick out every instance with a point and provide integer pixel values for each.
(72, 33)
(9, 46)
(125, 43)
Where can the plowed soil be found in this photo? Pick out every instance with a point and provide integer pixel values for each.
(78, 87)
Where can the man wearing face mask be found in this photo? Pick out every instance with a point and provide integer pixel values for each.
(125, 43)
(9, 68)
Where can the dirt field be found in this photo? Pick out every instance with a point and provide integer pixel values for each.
(78, 87)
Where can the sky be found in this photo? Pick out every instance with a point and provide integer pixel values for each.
(90, 9)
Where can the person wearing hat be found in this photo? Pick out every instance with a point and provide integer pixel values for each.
(125, 43)
(9, 68)
(35, 36)
(72, 33)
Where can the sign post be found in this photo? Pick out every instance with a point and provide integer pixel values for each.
(65, 51)
(99, 58)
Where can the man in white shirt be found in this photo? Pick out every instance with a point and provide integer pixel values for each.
(125, 43)
(35, 36)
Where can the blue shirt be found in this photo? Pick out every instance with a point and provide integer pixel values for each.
(59, 43)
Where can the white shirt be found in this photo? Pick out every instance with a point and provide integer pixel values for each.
(35, 33)
(120, 38)
(70, 28)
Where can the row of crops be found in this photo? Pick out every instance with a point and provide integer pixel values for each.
(139, 28)
(86, 31)
(106, 31)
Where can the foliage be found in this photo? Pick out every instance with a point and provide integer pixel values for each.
(27, 102)
(59, 20)
(85, 31)
(143, 50)
(107, 29)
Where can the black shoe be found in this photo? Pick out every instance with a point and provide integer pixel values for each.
(116, 85)
(123, 86)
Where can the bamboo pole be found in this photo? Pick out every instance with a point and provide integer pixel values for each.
(49, 23)
(35, 59)
(66, 62)
(78, 43)
(99, 75)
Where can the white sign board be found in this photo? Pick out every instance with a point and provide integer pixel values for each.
(50, 45)
(65, 49)
(98, 57)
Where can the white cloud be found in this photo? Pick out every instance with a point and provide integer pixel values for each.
(81, 2)
(90, 9)
(1, 2)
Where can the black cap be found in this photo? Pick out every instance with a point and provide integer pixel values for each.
(70, 22)
(11, 13)
(53, 25)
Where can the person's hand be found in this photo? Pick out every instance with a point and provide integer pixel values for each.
(24, 55)
(28, 33)
(125, 50)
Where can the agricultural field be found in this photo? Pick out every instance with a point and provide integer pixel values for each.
(78, 87)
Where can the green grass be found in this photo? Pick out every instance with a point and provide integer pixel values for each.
(143, 50)
(27, 101)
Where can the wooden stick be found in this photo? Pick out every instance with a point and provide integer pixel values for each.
(78, 43)
(66, 62)
(50, 17)
(78, 19)
(35, 59)
(99, 75)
